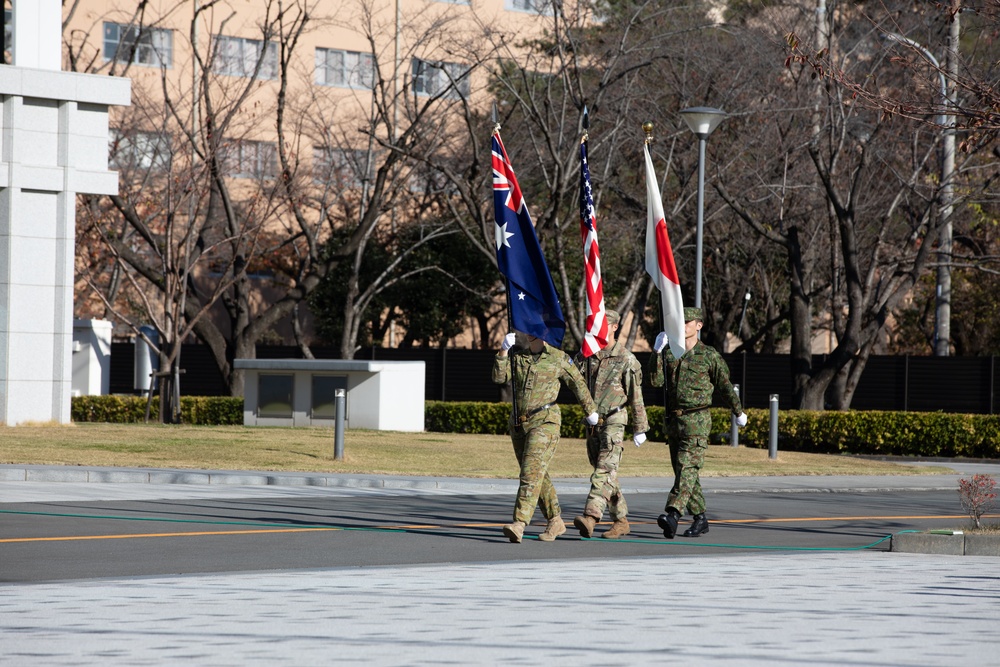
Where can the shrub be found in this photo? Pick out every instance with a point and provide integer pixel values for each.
(852, 432)
(978, 496)
(198, 410)
(466, 417)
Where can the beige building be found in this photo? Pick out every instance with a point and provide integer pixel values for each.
(235, 98)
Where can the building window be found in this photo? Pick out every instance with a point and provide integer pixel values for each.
(342, 169)
(274, 396)
(152, 47)
(432, 78)
(532, 6)
(430, 182)
(237, 56)
(139, 150)
(346, 69)
(324, 395)
(250, 159)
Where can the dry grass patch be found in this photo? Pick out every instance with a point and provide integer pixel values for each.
(377, 452)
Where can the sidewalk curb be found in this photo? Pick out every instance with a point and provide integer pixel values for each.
(961, 544)
(711, 485)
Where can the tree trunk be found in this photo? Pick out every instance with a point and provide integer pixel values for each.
(800, 317)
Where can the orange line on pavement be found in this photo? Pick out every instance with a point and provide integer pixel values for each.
(457, 525)
(138, 535)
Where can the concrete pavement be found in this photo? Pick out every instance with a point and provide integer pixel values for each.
(851, 608)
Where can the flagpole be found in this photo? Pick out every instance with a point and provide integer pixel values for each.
(510, 357)
(583, 141)
(510, 313)
(647, 127)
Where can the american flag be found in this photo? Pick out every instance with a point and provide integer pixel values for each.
(595, 337)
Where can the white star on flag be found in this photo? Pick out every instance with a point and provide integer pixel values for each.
(502, 235)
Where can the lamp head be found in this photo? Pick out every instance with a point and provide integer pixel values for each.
(703, 120)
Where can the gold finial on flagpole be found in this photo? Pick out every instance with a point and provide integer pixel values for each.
(496, 118)
(647, 127)
(586, 124)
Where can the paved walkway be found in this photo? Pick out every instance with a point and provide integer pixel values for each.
(853, 608)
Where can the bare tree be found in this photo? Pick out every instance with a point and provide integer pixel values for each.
(854, 184)
(232, 258)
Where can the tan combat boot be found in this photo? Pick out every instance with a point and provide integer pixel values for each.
(619, 528)
(585, 524)
(555, 528)
(514, 531)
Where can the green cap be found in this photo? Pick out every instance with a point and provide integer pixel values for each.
(692, 314)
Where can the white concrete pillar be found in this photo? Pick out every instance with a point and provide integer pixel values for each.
(91, 353)
(53, 145)
(37, 28)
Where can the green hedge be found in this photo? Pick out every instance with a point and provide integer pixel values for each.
(874, 433)
(197, 410)
(853, 432)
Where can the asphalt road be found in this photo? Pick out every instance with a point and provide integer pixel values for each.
(116, 567)
(83, 539)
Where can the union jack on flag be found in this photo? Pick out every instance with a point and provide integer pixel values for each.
(595, 336)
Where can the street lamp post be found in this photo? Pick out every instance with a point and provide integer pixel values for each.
(942, 295)
(701, 121)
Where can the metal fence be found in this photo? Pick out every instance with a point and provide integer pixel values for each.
(919, 384)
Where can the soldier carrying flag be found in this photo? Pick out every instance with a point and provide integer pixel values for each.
(687, 369)
(613, 374)
(530, 358)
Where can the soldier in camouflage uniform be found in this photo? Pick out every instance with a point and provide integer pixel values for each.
(615, 377)
(690, 383)
(534, 431)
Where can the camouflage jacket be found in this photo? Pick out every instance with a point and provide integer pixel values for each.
(616, 378)
(536, 382)
(693, 378)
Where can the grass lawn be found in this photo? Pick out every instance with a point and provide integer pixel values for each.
(378, 452)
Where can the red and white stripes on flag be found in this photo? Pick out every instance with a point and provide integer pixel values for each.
(660, 262)
(595, 336)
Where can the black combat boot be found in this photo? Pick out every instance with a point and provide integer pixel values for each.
(668, 522)
(698, 526)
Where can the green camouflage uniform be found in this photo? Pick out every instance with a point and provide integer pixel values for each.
(535, 434)
(617, 385)
(692, 380)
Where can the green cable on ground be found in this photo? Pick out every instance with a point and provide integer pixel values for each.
(403, 530)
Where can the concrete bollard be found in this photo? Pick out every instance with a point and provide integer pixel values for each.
(340, 398)
(734, 429)
(772, 450)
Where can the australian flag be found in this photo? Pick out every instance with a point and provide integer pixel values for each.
(532, 298)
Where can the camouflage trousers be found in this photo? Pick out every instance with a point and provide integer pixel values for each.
(534, 450)
(688, 437)
(604, 449)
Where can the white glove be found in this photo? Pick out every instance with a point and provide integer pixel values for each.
(639, 438)
(661, 342)
(508, 341)
(741, 421)
(592, 419)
